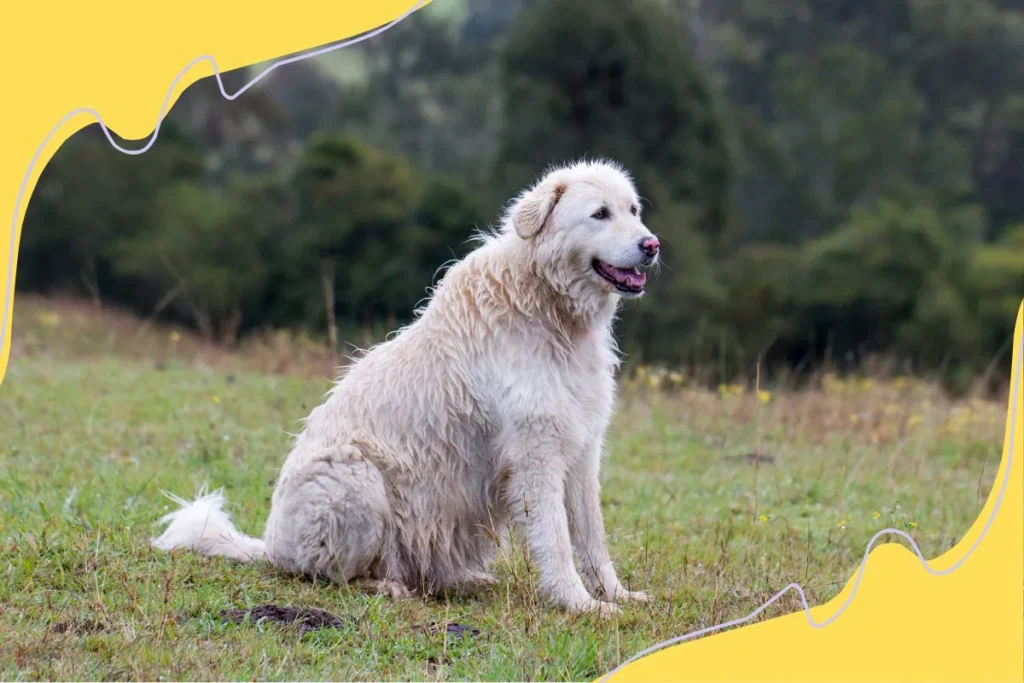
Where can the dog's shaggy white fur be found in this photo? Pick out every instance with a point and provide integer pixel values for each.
(490, 410)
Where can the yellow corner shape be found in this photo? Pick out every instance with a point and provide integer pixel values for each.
(958, 617)
(68, 63)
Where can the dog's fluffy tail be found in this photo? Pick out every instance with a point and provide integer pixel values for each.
(203, 526)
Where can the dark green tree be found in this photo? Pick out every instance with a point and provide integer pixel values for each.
(445, 218)
(891, 280)
(88, 197)
(354, 203)
(209, 249)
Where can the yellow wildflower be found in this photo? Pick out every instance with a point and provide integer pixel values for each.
(215, 399)
(175, 336)
(830, 384)
(876, 514)
(730, 389)
(764, 396)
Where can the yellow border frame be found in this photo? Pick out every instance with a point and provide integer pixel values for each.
(906, 624)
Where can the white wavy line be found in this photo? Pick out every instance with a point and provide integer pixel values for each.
(860, 571)
(8, 292)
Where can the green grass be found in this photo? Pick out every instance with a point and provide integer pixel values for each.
(91, 436)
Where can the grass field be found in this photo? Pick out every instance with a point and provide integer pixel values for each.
(713, 501)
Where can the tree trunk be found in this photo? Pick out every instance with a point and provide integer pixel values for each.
(229, 331)
(202, 319)
(327, 281)
(91, 282)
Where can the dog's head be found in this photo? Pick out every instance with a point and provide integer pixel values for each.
(583, 225)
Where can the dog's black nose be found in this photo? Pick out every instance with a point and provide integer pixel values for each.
(650, 246)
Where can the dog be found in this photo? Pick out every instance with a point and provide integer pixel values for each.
(487, 413)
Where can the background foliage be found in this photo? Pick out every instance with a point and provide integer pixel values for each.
(835, 182)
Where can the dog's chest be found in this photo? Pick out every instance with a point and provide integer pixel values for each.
(588, 378)
(572, 384)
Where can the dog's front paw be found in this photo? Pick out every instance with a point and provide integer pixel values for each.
(607, 610)
(623, 595)
(604, 610)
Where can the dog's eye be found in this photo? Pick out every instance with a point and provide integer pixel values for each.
(632, 209)
(601, 214)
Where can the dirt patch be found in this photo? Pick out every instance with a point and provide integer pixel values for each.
(752, 458)
(306, 619)
(452, 628)
(80, 627)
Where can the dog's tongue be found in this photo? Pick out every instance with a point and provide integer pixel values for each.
(629, 276)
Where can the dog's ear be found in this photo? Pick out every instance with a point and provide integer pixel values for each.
(531, 213)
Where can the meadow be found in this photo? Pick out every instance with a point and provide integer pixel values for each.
(713, 501)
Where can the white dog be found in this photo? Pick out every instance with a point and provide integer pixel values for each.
(489, 410)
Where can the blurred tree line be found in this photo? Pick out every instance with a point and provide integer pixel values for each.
(834, 181)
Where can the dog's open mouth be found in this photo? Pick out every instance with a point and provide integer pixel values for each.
(626, 280)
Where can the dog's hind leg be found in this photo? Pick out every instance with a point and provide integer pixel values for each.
(333, 519)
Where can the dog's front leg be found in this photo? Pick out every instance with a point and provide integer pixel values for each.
(536, 498)
(586, 525)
